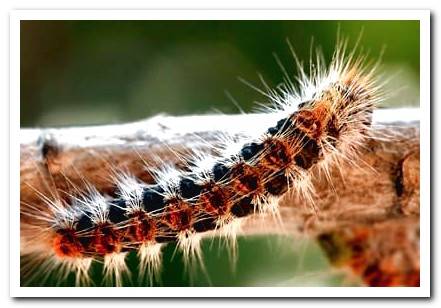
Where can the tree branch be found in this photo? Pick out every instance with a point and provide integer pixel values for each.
(383, 185)
(366, 218)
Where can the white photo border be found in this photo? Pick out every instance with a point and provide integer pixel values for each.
(16, 16)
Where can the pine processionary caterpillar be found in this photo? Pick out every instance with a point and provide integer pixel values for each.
(322, 121)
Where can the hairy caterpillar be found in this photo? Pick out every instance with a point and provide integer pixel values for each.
(323, 121)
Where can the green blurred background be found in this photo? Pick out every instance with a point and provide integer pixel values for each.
(92, 72)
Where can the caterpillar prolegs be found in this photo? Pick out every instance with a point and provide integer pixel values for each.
(322, 121)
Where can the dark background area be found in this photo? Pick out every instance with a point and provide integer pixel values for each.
(91, 72)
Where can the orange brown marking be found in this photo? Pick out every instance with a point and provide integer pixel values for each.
(66, 244)
(106, 239)
(142, 228)
(215, 199)
(313, 122)
(246, 179)
(278, 155)
(179, 215)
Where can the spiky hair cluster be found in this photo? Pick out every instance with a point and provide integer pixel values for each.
(324, 117)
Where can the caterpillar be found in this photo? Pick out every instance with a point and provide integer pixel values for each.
(324, 118)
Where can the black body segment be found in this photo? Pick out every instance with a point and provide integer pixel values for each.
(153, 199)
